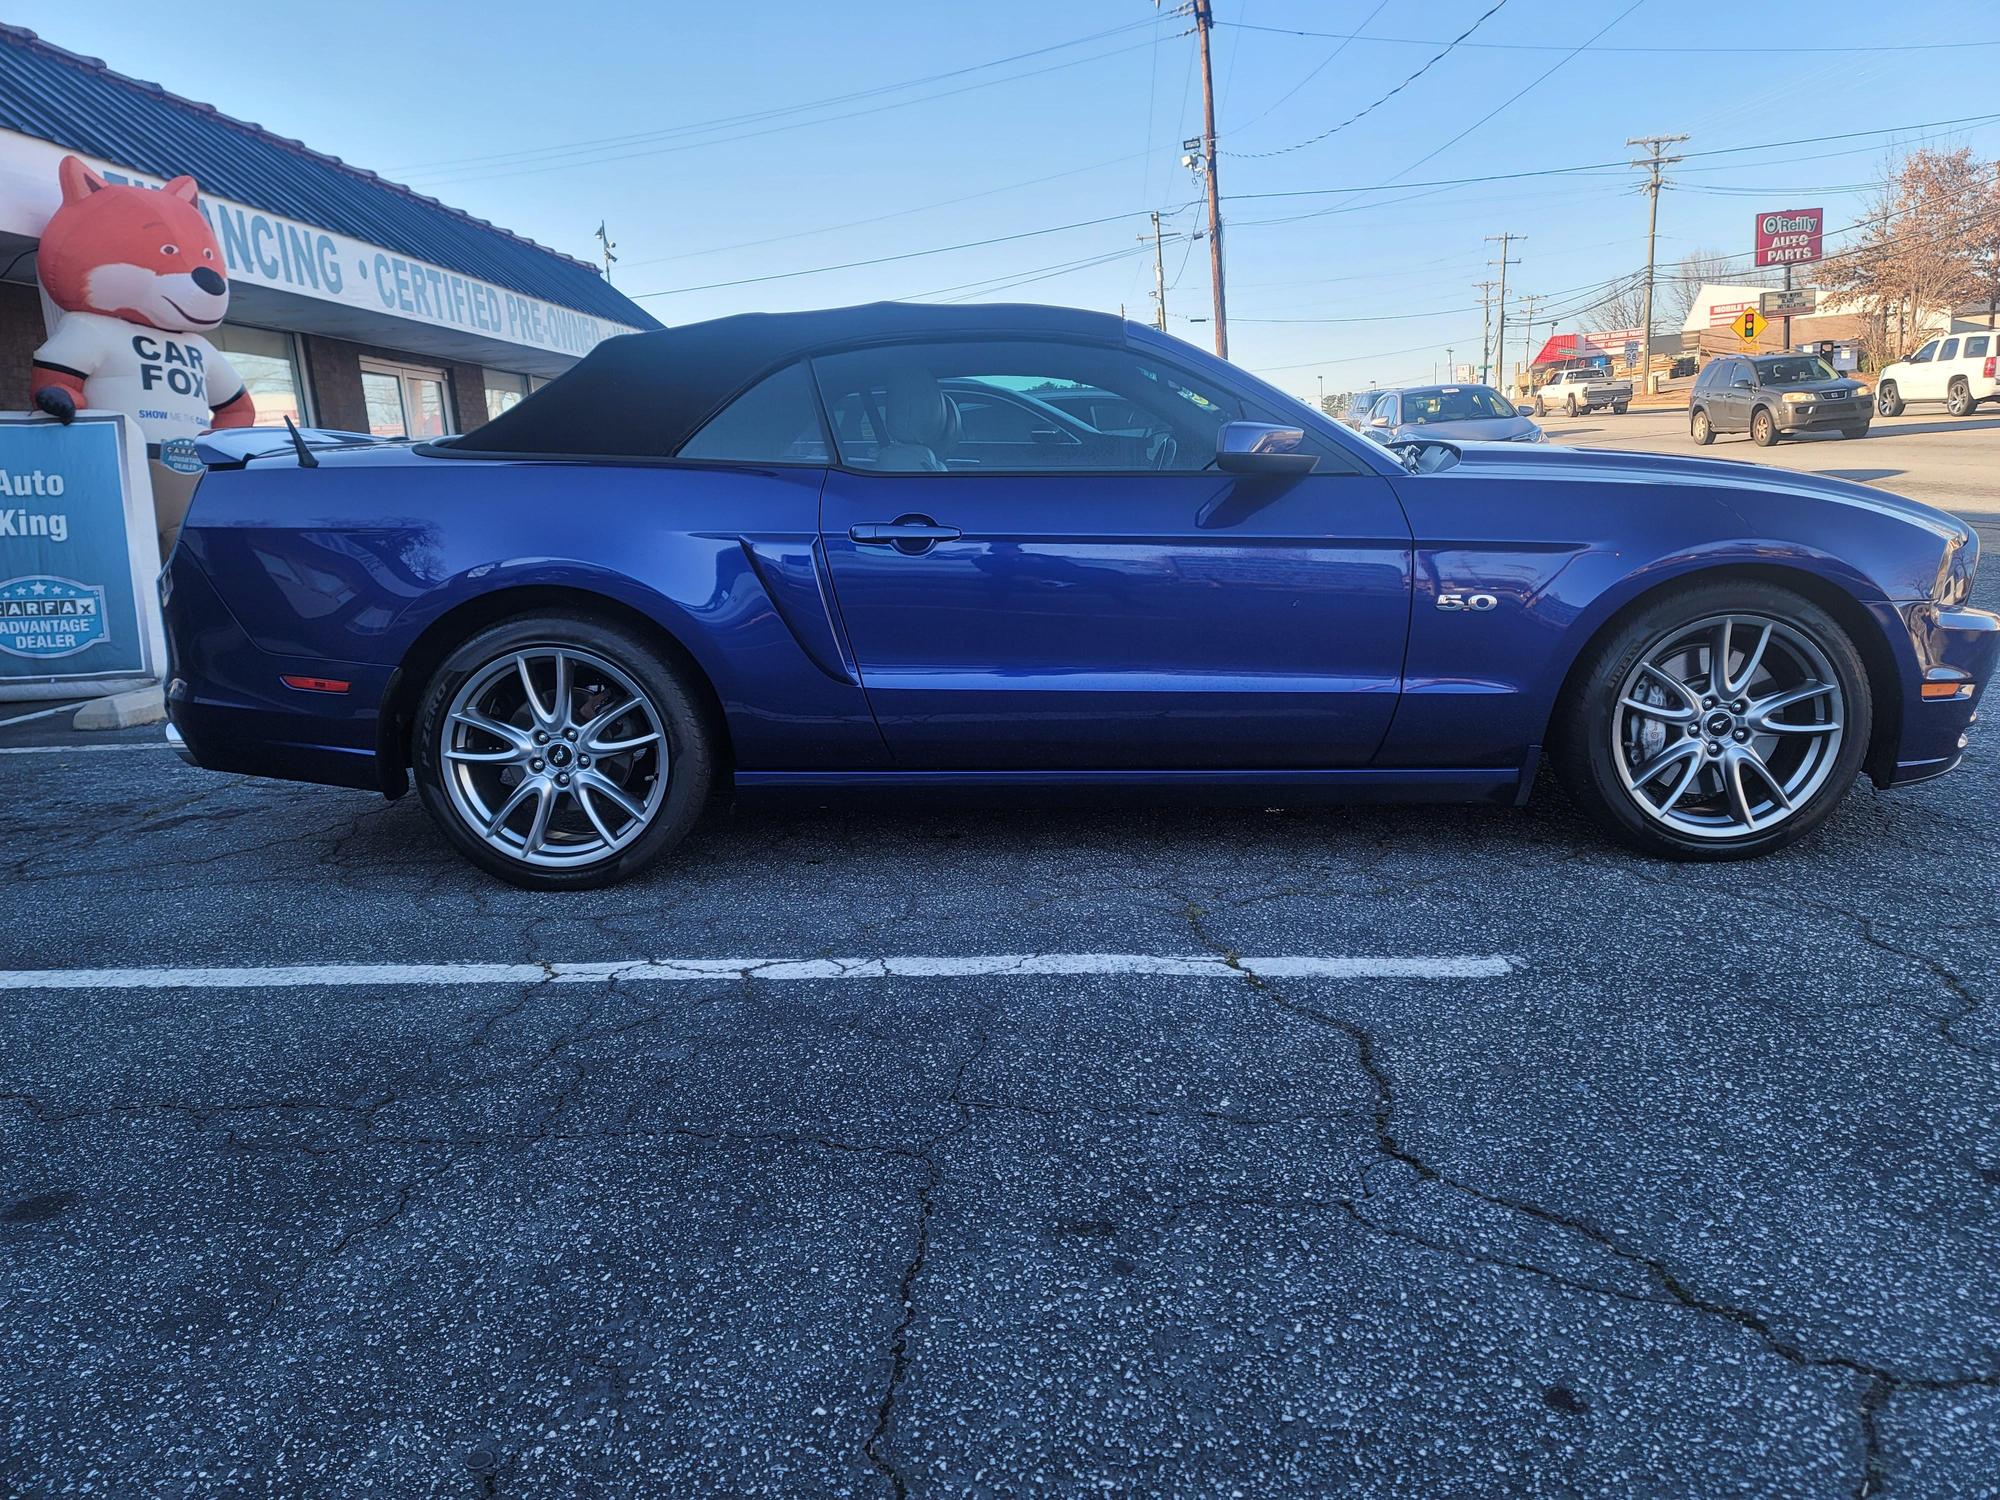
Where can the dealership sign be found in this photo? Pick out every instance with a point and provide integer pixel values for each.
(261, 248)
(1790, 236)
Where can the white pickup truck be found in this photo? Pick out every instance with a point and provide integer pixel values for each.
(1582, 390)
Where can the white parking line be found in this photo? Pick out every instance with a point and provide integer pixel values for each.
(652, 970)
(75, 749)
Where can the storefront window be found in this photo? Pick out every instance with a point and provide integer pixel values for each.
(269, 365)
(405, 400)
(503, 390)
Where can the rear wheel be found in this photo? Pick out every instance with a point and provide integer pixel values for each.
(1700, 428)
(1619, 410)
(1763, 427)
(561, 753)
(1888, 401)
(1958, 400)
(1721, 722)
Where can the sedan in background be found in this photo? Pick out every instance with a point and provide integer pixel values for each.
(1458, 413)
(1356, 415)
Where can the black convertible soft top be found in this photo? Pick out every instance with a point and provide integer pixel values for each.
(642, 395)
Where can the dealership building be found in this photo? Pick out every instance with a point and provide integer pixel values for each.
(354, 302)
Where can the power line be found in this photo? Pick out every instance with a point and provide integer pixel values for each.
(1414, 41)
(1324, 64)
(1370, 108)
(757, 116)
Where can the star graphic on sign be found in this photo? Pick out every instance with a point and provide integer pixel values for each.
(40, 589)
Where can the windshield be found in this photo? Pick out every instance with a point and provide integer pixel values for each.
(1791, 371)
(1455, 403)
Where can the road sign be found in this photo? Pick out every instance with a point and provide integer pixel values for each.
(1790, 237)
(1748, 325)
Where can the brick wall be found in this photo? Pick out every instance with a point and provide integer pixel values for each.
(20, 335)
(333, 367)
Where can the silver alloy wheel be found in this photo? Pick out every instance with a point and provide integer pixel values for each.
(554, 756)
(1728, 725)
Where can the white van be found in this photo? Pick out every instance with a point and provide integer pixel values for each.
(1959, 369)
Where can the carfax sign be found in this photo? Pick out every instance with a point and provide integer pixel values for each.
(1790, 236)
(68, 607)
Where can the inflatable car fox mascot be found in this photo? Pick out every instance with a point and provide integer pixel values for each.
(139, 277)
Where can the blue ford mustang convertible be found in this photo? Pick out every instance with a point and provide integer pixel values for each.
(1025, 547)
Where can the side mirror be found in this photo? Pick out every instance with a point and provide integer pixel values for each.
(1739, 383)
(1521, 409)
(1378, 421)
(1260, 448)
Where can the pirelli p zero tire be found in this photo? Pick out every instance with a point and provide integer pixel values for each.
(561, 752)
(1722, 721)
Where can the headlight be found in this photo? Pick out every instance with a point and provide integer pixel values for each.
(1955, 577)
(1796, 398)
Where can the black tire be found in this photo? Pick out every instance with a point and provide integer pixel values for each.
(1888, 402)
(1540, 410)
(1570, 401)
(1581, 734)
(668, 696)
(1763, 428)
(1700, 428)
(1860, 431)
(1619, 410)
(1958, 400)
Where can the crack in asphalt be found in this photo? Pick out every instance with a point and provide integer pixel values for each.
(1879, 1383)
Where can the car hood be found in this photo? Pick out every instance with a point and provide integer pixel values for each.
(1474, 429)
(1743, 480)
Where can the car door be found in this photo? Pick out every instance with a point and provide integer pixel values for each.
(1920, 379)
(1732, 397)
(1125, 606)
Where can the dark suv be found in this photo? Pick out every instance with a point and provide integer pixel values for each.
(1769, 395)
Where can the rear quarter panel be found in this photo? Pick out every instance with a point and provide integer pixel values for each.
(348, 564)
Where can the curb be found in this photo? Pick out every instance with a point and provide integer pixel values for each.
(147, 705)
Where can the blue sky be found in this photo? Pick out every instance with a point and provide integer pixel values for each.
(546, 119)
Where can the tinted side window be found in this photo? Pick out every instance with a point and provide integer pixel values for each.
(1923, 355)
(1976, 348)
(1013, 406)
(1950, 349)
(1709, 374)
(776, 421)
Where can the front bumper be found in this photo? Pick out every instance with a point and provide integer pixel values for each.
(1824, 416)
(1956, 646)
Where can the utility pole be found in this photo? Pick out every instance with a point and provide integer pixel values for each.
(1450, 369)
(1322, 393)
(1159, 277)
(1500, 340)
(1534, 301)
(1204, 19)
(604, 239)
(1653, 162)
(1485, 290)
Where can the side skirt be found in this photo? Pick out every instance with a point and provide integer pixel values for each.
(1367, 784)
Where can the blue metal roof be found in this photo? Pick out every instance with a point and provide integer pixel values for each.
(80, 103)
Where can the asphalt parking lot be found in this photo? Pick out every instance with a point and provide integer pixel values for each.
(1117, 1149)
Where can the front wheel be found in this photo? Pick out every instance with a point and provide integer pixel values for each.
(1887, 400)
(1858, 431)
(1570, 402)
(1723, 721)
(1763, 428)
(561, 753)
(1540, 410)
(1701, 429)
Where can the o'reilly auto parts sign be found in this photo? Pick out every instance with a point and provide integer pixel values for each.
(1790, 236)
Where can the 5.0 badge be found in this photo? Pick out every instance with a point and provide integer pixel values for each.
(1466, 601)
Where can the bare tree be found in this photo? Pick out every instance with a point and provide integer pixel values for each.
(1620, 308)
(1696, 268)
(1918, 255)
